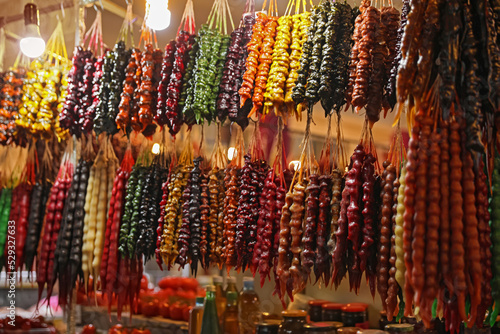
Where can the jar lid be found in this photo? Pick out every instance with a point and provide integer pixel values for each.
(365, 305)
(318, 302)
(294, 313)
(371, 331)
(318, 327)
(354, 308)
(399, 327)
(269, 323)
(348, 330)
(334, 324)
(332, 306)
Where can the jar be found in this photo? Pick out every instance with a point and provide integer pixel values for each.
(293, 322)
(371, 331)
(268, 327)
(319, 328)
(315, 309)
(382, 322)
(400, 328)
(348, 330)
(332, 312)
(355, 315)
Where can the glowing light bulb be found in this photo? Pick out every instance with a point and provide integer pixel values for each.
(32, 44)
(155, 149)
(32, 47)
(157, 14)
(294, 165)
(231, 153)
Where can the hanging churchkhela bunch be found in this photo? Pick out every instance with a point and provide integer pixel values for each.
(136, 103)
(114, 272)
(173, 73)
(253, 174)
(232, 177)
(296, 245)
(265, 254)
(171, 212)
(322, 256)
(97, 199)
(375, 43)
(258, 62)
(279, 63)
(450, 120)
(52, 223)
(324, 61)
(213, 43)
(149, 209)
(337, 181)
(42, 94)
(388, 202)
(11, 101)
(39, 197)
(213, 214)
(79, 106)
(228, 101)
(68, 252)
(190, 229)
(356, 230)
(19, 213)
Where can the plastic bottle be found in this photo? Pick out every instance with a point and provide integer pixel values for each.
(230, 319)
(196, 316)
(220, 297)
(210, 322)
(249, 308)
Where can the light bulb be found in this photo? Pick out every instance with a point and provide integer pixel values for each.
(155, 149)
(32, 47)
(32, 44)
(158, 15)
(231, 152)
(294, 165)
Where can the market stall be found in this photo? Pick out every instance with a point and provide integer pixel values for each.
(309, 147)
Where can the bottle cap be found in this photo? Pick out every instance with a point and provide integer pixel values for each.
(217, 279)
(210, 288)
(231, 279)
(248, 282)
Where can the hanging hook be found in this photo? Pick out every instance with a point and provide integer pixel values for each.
(96, 8)
(63, 12)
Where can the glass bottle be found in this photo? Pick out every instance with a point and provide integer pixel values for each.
(249, 308)
(230, 319)
(210, 323)
(220, 297)
(195, 316)
(231, 285)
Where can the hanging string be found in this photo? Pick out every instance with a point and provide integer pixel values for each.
(127, 29)
(2, 48)
(187, 19)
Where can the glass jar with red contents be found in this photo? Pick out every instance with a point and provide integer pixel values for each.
(315, 309)
(332, 312)
(355, 315)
